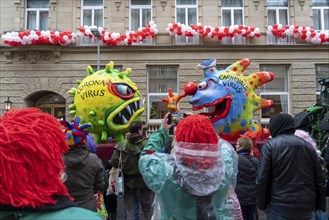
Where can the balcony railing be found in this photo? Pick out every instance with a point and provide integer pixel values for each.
(272, 39)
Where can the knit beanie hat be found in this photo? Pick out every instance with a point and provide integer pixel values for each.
(75, 134)
(32, 144)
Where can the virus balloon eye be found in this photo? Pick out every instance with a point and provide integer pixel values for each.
(122, 90)
(202, 86)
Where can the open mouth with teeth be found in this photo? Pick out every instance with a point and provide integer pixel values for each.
(219, 108)
(128, 112)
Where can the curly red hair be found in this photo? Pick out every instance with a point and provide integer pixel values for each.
(32, 144)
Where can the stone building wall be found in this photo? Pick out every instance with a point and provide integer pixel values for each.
(31, 69)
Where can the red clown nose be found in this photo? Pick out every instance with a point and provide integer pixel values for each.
(190, 88)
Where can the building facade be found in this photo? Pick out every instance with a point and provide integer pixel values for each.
(41, 75)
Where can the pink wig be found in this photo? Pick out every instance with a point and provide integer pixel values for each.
(307, 137)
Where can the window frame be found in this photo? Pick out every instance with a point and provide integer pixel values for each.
(38, 10)
(92, 8)
(195, 39)
(140, 7)
(275, 93)
(232, 9)
(154, 94)
(322, 8)
(270, 39)
(317, 78)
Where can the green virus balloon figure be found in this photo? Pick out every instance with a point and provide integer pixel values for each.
(108, 100)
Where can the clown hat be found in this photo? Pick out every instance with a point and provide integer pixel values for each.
(75, 134)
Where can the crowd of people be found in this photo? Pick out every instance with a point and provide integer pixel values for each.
(51, 174)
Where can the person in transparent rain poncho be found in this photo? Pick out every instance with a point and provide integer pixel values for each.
(197, 180)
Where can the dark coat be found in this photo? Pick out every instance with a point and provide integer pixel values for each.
(131, 148)
(85, 176)
(246, 178)
(289, 174)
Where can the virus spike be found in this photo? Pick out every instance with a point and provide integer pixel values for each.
(259, 78)
(78, 82)
(73, 112)
(72, 91)
(261, 103)
(121, 75)
(101, 122)
(72, 107)
(92, 113)
(104, 135)
(109, 67)
(128, 71)
(97, 138)
(90, 70)
(239, 66)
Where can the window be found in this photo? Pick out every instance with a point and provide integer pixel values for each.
(232, 14)
(277, 13)
(320, 14)
(37, 13)
(140, 15)
(92, 15)
(160, 79)
(276, 90)
(321, 72)
(186, 13)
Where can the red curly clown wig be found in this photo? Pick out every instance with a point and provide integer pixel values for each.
(32, 144)
(197, 142)
(196, 129)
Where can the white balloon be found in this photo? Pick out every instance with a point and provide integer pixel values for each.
(307, 28)
(106, 37)
(270, 28)
(300, 29)
(252, 34)
(279, 26)
(257, 30)
(57, 33)
(65, 37)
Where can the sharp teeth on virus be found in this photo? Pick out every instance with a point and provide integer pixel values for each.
(136, 106)
(128, 109)
(124, 120)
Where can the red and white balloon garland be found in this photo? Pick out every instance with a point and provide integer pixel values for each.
(304, 33)
(128, 38)
(39, 37)
(212, 32)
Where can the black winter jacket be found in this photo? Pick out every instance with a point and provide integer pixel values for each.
(246, 179)
(85, 176)
(290, 175)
